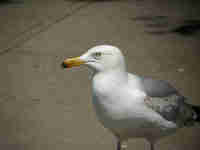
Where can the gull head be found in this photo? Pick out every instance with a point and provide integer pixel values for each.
(99, 58)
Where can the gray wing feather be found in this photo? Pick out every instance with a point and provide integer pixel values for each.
(157, 88)
(166, 100)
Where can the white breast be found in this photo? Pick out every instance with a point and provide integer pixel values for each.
(121, 108)
(113, 102)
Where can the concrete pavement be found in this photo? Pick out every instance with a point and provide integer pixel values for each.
(21, 20)
(45, 107)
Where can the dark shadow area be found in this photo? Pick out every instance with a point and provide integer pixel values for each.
(160, 25)
(149, 18)
(7, 2)
(190, 27)
(154, 22)
(158, 32)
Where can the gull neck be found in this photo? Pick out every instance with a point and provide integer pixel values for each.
(112, 75)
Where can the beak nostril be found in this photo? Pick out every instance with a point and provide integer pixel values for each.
(63, 65)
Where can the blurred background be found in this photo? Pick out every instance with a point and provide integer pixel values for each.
(45, 107)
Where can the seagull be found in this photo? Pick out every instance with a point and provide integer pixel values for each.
(131, 106)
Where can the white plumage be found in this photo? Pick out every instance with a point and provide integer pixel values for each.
(131, 106)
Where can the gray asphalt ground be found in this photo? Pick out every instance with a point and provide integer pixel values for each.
(44, 107)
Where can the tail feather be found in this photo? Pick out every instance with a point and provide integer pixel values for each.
(197, 113)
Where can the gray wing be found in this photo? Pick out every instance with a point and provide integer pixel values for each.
(165, 100)
(157, 88)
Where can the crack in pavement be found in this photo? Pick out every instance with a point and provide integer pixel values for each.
(36, 29)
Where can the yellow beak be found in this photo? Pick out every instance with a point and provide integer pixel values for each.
(72, 62)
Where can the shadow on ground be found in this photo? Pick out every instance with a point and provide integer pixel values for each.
(163, 25)
(7, 2)
(190, 27)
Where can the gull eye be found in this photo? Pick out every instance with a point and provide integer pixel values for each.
(97, 55)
